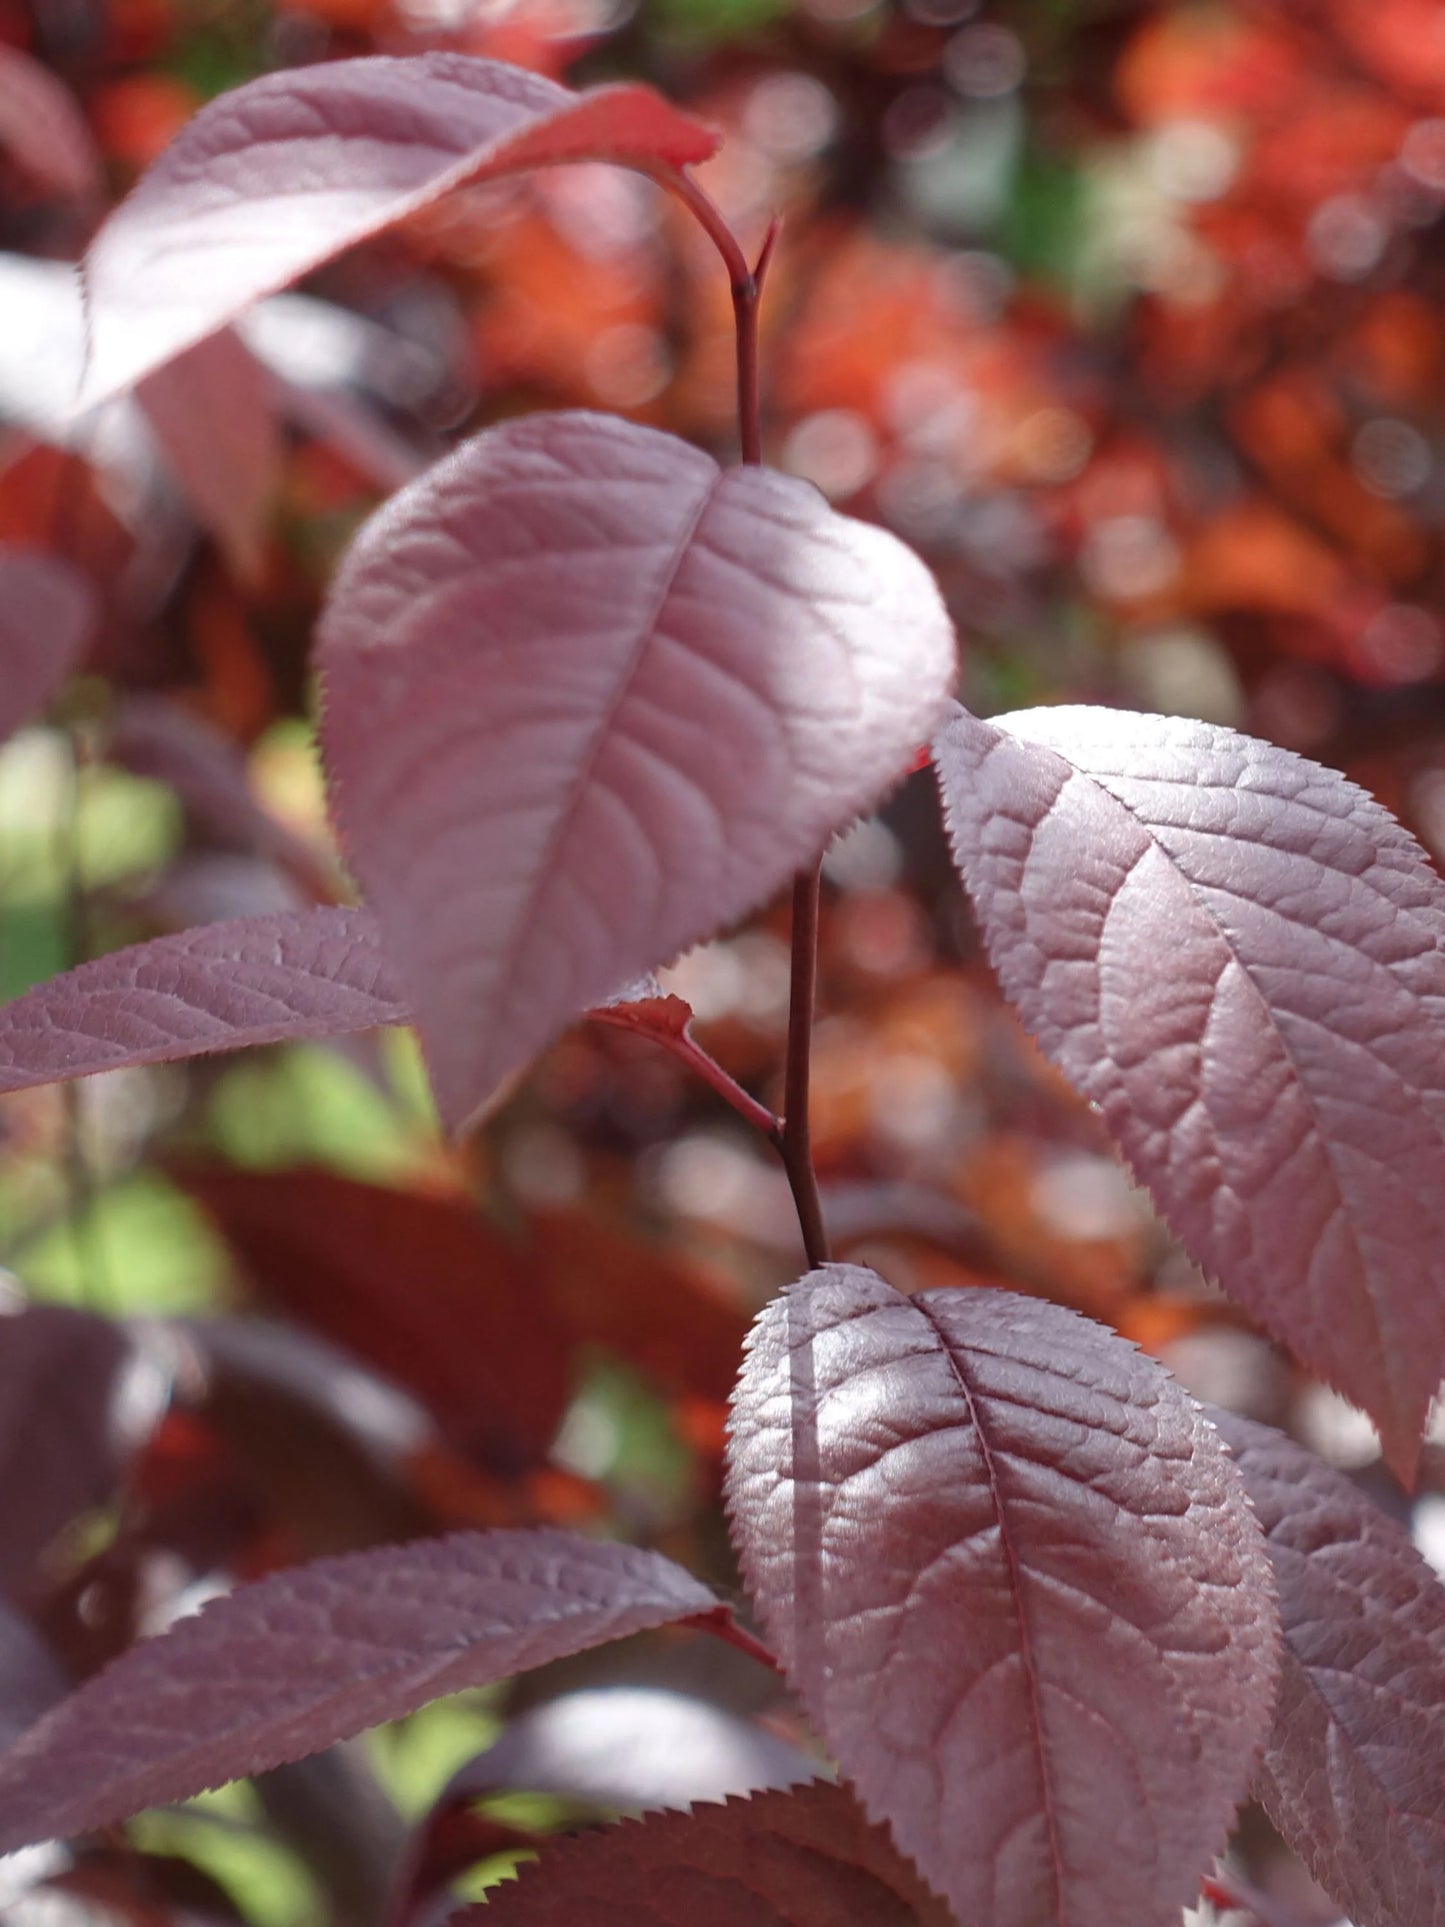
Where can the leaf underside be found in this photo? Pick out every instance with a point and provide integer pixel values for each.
(284, 1667)
(1353, 1774)
(1237, 955)
(588, 698)
(1014, 1578)
(807, 1858)
(276, 177)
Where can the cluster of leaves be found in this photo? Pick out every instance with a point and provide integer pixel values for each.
(589, 699)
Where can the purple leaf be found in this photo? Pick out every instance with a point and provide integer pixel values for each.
(72, 1413)
(47, 614)
(1237, 956)
(589, 698)
(284, 1667)
(1015, 1580)
(257, 980)
(278, 176)
(213, 410)
(1354, 1772)
(806, 1858)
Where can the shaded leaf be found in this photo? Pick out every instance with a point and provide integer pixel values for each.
(588, 698)
(254, 980)
(160, 739)
(43, 128)
(31, 1677)
(1236, 954)
(807, 1857)
(1014, 1578)
(274, 178)
(1354, 1772)
(628, 1748)
(76, 1401)
(213, 410)
(660, 1309)
(47, 615)
(282, 1668)
(418, 1286)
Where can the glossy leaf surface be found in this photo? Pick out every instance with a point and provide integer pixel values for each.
(1354, 1772)
(254, 980)
(46, 618)
(808, 1858)
(275, 177)
(286, 1666)
(1237, 955)
(1014, 1578)
(588, 698)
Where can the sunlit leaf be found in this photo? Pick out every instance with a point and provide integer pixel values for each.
(588, 698)
(1015, 1580)
(1354, 1772)
(1240, 958)
(255, 980)
(284, 1667)
(274, 178)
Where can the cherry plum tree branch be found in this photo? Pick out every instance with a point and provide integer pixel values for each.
(791, 1134)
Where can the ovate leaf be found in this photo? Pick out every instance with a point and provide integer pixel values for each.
(1013, 1575)
(254, 980)
(1237, 955)
(589, 697)
(808, 1858)
(274, 178)
(47, 614)
(282, 1668)
(1354, 1772)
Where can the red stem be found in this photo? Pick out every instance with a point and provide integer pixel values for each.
(791, 1135)
(722, 1625)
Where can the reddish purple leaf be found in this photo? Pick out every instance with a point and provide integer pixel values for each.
(807, 1858)
(1354, 1772)
(47, 614)
(1237, 955)
(213, 410)
(67, 1428)
(257, 980)
(588, 698)
(1014, 1578)
(278, 176)
(43, 129)
(282, 1668)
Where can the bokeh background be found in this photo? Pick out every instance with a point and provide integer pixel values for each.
(1131, 318)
